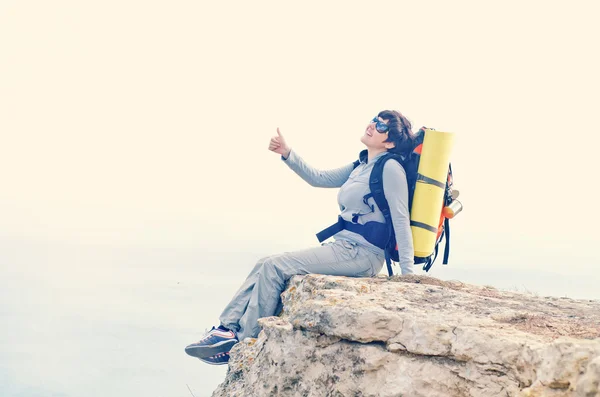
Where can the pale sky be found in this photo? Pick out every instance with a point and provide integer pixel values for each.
(136, 122)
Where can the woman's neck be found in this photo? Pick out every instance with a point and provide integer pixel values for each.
(372, 153)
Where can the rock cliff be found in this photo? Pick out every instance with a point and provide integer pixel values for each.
(418, 336)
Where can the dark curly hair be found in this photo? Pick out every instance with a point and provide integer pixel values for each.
(400, 131)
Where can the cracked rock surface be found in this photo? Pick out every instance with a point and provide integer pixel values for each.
(418, 336)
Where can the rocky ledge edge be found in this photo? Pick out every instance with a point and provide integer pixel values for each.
(418, 336)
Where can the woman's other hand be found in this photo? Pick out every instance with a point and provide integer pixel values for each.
(278, 145)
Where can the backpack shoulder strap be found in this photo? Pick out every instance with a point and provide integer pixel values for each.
(376, 184)
(362, 157)
(376, 187)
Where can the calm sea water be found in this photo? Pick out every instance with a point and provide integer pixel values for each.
(106, 321)
(114, 321)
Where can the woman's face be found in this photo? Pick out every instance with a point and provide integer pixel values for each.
(374, 139)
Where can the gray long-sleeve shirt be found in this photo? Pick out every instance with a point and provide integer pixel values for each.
(354, 185)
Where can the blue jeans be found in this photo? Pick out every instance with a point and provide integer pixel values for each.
(259, 296)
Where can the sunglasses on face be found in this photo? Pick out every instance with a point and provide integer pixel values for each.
(380, 126)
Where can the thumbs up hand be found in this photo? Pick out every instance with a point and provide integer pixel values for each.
(278, 145)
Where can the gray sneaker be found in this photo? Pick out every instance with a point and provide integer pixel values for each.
(214, 342)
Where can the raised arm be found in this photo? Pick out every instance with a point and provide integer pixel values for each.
(395, 189)
(318, 178)
(315, 177)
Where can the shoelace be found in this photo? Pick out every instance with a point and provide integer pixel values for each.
(206, 331)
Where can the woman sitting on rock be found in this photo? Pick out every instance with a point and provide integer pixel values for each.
(349, 255)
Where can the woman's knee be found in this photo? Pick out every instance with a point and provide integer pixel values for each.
(259, 265)
(279, 266)
(273, 269)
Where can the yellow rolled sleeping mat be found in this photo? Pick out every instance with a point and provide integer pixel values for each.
(428, 198)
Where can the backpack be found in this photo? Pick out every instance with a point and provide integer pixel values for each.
(410, 164)
(382, 234)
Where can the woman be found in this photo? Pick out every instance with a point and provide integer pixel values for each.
(349, 255)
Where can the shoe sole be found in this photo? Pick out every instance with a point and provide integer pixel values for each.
(211, 363)
(211, 350)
